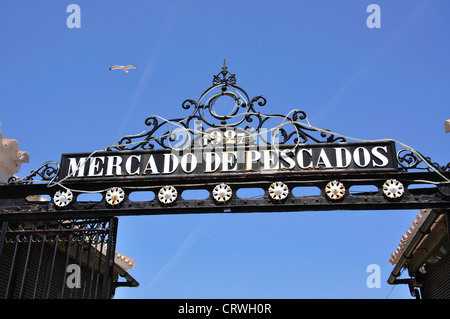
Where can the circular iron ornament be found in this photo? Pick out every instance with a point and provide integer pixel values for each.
(114, 196)
(278, 191)
(222, 193)
(63, 198)
(392, 188)
(167, 194)
(212, 103)
(335, 190)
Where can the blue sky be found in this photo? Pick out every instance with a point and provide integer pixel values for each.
(57, 96)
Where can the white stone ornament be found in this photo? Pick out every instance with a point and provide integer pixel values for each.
(63, 198)
(222, 193)
(278, 191)
(10, 158)
(335, 190)
(167, 194)
(114, 196)
(392, 188)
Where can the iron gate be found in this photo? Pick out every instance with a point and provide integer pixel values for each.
(35, 257)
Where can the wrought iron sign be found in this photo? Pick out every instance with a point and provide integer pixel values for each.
(249, 160)
(223, 149)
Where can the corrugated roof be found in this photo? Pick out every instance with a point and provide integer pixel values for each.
(409, 235)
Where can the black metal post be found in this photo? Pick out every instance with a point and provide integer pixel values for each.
(25, 267)
(2, 240)
(448, 224)
(12, 280)
(109, 262)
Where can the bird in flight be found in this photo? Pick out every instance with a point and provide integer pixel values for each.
(124, 68)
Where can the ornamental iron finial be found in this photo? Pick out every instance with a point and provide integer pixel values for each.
(230, 80)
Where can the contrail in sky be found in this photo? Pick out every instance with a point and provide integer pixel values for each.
(172, 15)
(187, 243)
(356, 77)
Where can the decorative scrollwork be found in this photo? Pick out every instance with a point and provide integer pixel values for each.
(188, 103)
(409, 159)
(185, 132)
(47, 172)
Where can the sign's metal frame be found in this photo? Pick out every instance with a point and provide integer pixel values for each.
(394, 187)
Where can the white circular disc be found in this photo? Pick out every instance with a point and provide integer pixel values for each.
(392, 188)
(167, 194)
(278, 191)
(114, 196)
(335, 190)
(63, 198)
(222, 193)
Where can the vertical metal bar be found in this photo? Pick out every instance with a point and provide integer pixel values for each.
(13, 271)
(87, 266)
(64, 271)
(25, 267)
(3, 240)
(81, 250)
(52, 265)
(93, 264)
(4, 230)
(100, 279)
(67, 252)
(102, 241)
(41, 255)
(77, 251)
(47, 270)
(109, 262)
(448, 224)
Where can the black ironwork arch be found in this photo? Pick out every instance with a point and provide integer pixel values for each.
(243, 120)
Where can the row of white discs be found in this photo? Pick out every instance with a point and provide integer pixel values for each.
(222, 193)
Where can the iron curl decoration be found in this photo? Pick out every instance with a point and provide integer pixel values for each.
(186, 132)
(47, 172)
(408, 159)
